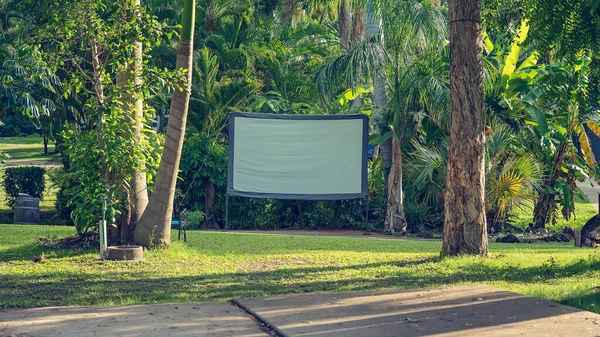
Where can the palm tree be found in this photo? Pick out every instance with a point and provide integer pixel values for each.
(465, 219)
(409, 28)
(154, 227)
(416, 34)
(212, 98)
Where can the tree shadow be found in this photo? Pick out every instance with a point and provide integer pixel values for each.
(30, 250)
(135, 285)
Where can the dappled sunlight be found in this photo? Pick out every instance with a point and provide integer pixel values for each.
(229, 267)
(420, 312)
(209, 320)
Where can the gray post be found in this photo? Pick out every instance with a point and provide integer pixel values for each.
(226, 211)
(367, 217)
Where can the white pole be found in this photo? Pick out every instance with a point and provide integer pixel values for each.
(103, 242)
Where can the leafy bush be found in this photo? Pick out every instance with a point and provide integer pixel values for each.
(25, 179)
(203, 162)
(192, 219)
(16, 124)
(420, 217)
(91, 168)
(63, 207)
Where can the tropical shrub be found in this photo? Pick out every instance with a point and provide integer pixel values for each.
(192, 219)
(15, 124)
(203, 173)
(25, 179)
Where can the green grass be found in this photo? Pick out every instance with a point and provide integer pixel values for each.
(27, 148)
(215, 266)
(583, 212)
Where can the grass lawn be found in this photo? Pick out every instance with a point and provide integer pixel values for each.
(216, 266)
(29, 148)
(584, 211)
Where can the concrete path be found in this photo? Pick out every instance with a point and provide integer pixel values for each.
(590, 190)
(459, 311)
(452, 311)
(157, 320)
(27, 162)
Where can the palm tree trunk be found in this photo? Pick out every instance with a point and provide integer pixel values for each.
(345, 24)
(395, 217)
(154, 227)
(395, 220)
(543, 206)
(465, 224)
(138, 193)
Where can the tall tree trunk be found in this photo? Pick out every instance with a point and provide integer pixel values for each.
(358, 26)
(543, 206)
(345, 24)
(395, 219)
(395, 215)
(45, 143)
(465, 224)
(138, 193)
(154, 227)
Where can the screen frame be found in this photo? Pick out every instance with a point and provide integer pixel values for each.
(335, 196)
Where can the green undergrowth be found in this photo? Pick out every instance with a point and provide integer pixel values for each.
(219, 266)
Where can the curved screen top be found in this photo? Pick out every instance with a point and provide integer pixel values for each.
(302, 157)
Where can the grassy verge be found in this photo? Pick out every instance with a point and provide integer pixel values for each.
(583, 212)
(215, 266)
(27, 148)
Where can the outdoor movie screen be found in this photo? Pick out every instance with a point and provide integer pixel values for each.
(305, 157)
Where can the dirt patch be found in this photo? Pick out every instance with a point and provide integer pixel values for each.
(83, 241)
(351, 233)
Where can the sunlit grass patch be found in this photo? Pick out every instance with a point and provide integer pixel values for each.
(219, 266)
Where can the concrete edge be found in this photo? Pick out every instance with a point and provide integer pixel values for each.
(268, 325)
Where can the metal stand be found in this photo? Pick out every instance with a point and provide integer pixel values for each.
(226, 212)
(181, 229)
(367, 217)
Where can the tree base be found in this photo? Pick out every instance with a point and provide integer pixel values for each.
(590, 233)
(125, 253)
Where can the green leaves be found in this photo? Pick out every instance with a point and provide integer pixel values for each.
(352, 93)
(538, 116)
(511, 59)
(24, 179)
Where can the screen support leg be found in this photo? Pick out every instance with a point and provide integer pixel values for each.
(226, 211)
(367, 217)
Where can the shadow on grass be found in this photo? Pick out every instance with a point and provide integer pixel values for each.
(31, 250)
(100, 285)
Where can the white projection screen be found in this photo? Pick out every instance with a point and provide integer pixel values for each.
(302, 157)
